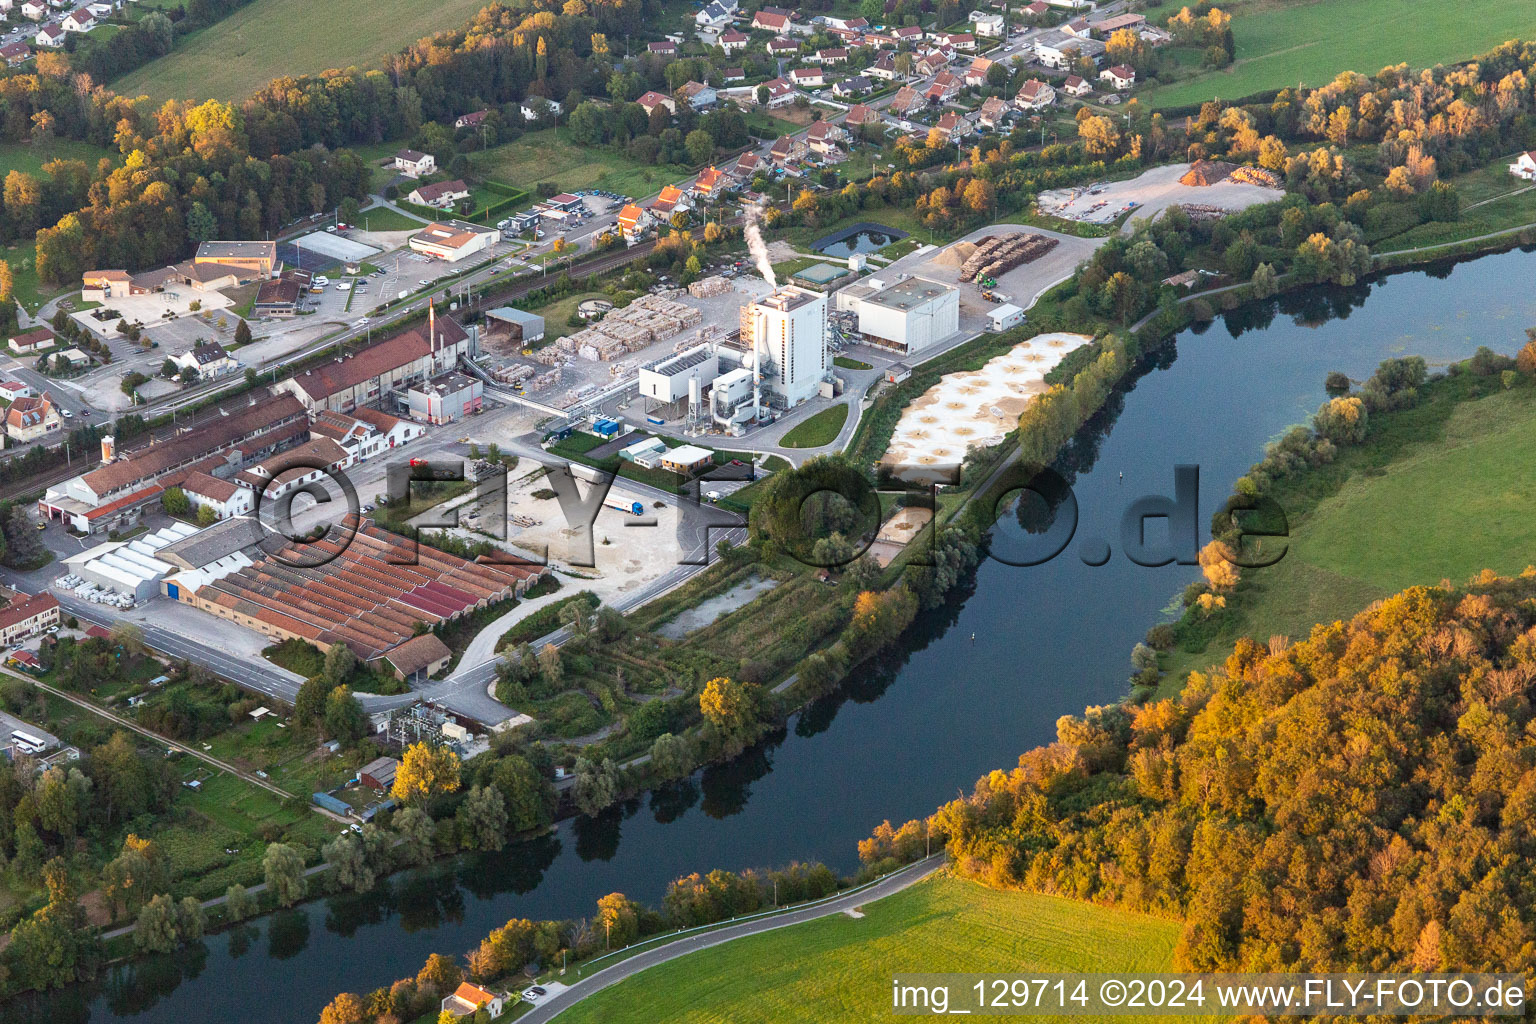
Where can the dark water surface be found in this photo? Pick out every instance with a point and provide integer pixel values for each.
(904, 735)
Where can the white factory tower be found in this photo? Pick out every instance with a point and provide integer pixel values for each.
(788, 333)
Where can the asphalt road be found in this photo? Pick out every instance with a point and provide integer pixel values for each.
(553, 1005)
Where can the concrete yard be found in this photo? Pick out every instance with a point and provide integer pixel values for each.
(1149, 194)
(702, 614)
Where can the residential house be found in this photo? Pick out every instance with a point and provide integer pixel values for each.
(780, 93)
(49, 35)
(843, 24)
(1524, 166)
(946, 85)
(28, 616)
(953, 126)
(10, 390)
(746, 167)
(828, 57)
(711, 183)
(859, 115)
(993, 113)
(472, 120)
(884, 67)
(78, 21)
(468, 998)
(29, 419)
(415, 165)
(208, 358)
(976, 74)
(283, 296)
(732, 41)
(881, 40)
(806, 78)
(907, 34)
(1035, 95)
(858, 85)
(789, 149)
(36, 10)
(35, 340)
(442, 195)
(991, 26)
(930, 63)
(671, 200)
(697, 95)
(665, 48)
(651, 100)
(1077, 27)
(779, 46)
(964, 41)
(534, 108)
(763, 21)
(1037, 9)
(712, 16)
(733, 74)
(906, 101)
(15, 53)
(823, 138)
(1076, 85)
(1120, 76)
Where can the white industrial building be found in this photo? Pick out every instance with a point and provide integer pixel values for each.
(681, 376)
(1004, 317)
(730, 400)
(910, 314)
(126, 568)
(787, 333)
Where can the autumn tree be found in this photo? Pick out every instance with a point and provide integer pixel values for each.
(426, 771)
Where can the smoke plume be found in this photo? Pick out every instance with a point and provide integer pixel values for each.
(755, 243)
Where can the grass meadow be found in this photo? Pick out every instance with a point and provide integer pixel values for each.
(550, 156)
(839, 968)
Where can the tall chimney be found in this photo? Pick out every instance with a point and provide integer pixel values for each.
(432, 329)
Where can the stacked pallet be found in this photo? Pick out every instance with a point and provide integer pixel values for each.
(709, 287)
(545, 380)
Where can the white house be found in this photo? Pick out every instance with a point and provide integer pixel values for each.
(50, 35)
(534, 104)
(712, 16)
(225, 497)
(413, 164)
(209, 359)
(807, 77)
(1524, 166)
(732, 41)
(989, 25)
(780, 93)
(78, 21)
(34, 9)
(1075, 85)
(1121, 76)
(651, 100)
(857, 85)
(442, 195)
(469, 998)
(1035, 95)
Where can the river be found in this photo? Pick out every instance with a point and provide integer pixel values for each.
(978, 682)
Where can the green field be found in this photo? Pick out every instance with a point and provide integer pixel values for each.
(1283, 43)
(550, 155)
(267, 38)
(839, 968)
(821, 429)
(382, 218)
(30, 156)
(1451, 502)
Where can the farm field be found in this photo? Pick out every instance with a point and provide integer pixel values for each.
(1283, 43)
(1400, 517)
(839, 968)
(235, 57)
(550, 156)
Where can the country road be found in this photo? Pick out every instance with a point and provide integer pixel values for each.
(550, 1007)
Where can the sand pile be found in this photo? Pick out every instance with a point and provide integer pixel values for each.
(972, 408)
(956, 255)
